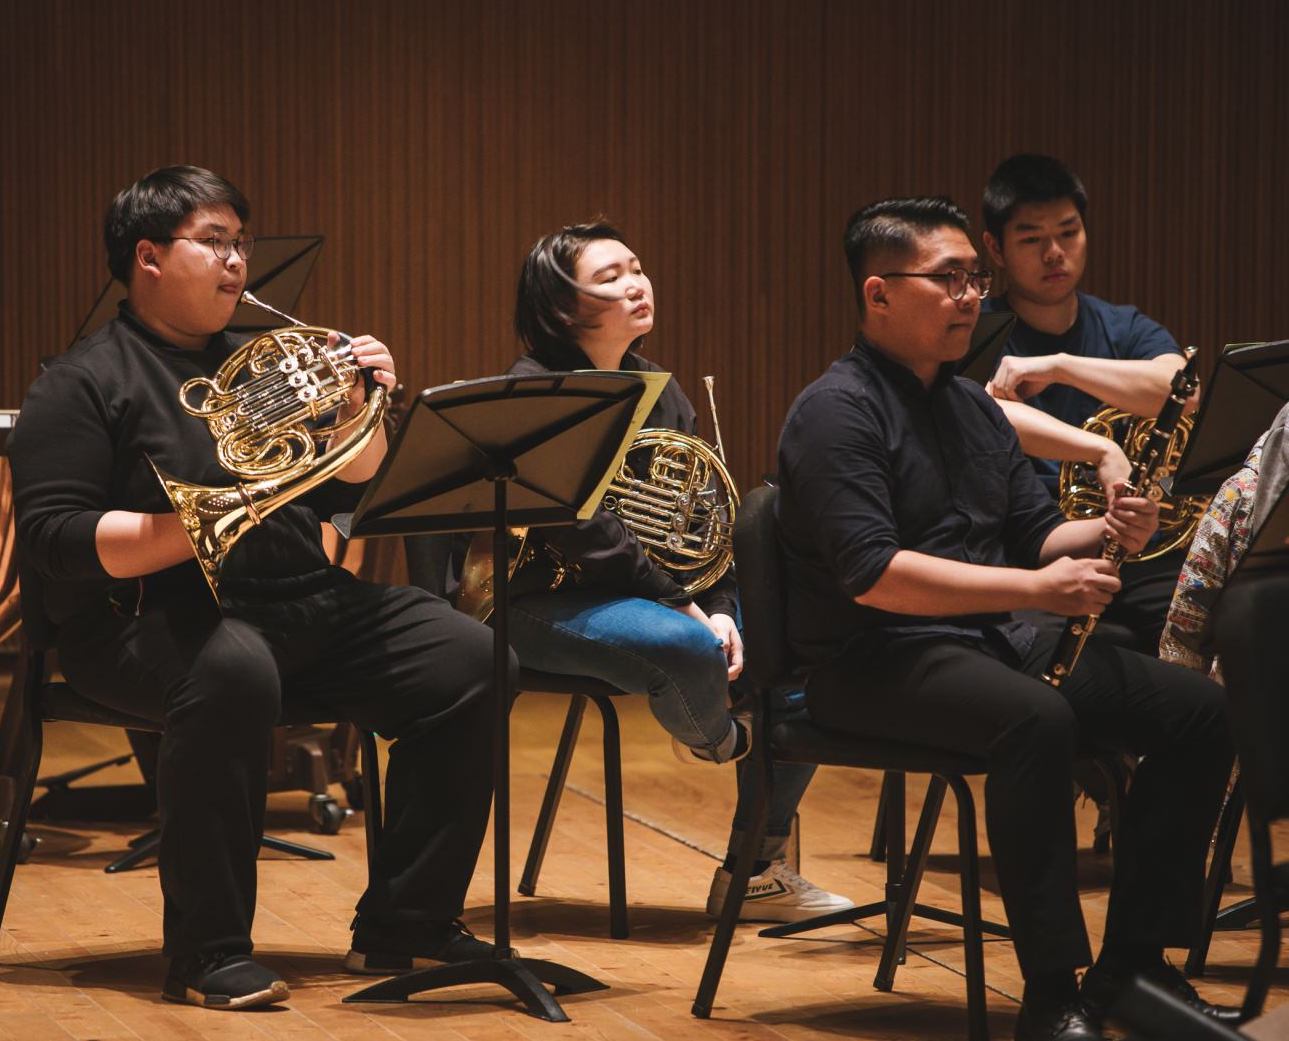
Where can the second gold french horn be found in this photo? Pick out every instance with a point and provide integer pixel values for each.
(1081, 494)
(679, 501)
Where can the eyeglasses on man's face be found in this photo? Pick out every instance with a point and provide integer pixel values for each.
(221, 245)
(956, 280)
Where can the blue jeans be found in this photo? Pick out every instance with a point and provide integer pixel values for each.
(647, 648)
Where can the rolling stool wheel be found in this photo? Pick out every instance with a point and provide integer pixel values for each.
(328, 815)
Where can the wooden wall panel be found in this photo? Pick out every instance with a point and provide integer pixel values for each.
(432, 142)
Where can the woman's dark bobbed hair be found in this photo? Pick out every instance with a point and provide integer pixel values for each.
(546, 302)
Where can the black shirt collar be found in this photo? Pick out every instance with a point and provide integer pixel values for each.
(901, 376)
(217, 344)
(573, 358)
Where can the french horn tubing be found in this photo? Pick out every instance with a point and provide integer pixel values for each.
(264, 407)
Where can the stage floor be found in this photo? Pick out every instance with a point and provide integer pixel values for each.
(80, 950)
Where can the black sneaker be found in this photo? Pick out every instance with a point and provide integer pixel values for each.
(1102, 988)
(223, 981)
(1064, 1021)
(389, 951)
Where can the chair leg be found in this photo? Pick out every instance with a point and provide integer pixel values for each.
(1116, 779)
(1228, 828)
(373, 809)
(973, 947)
(715, 965)
(554, 791)
(877, 847)
(905, 891)
(618, 927)
(142, 847)
(1264, 886)
(21, 743)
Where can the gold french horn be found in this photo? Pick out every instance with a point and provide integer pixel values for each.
(1081, 494)
(680, 505)
(262, 408)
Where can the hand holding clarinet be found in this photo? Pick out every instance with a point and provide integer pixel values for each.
(1126, 528)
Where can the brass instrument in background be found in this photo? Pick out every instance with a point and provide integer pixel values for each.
(680, 505)
(1081, 494)
(263, 408)
(1148, 459)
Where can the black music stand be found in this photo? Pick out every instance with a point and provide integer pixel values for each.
(276, 273)
(987, 341)
(486, 455)
(1249, 386)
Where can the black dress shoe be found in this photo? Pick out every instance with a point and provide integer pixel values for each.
(1065, 1021)
(1102, 988)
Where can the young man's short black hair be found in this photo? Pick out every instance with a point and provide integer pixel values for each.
(1024, 179)
(153, 206)
(546, 301)
(889, 230)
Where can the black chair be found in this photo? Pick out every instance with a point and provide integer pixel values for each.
(1249, 637)
(761, 582)
(34, 699)
(428, 566)
(1214, 917)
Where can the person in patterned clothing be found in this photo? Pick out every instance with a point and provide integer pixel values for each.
(1220, 542)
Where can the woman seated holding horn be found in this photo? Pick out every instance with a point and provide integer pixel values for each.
(584, 302)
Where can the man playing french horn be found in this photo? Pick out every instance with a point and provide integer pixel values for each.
(138, 629)
(1070, 354)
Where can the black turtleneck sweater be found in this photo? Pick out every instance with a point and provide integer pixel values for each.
(81, 446)
(606, 552)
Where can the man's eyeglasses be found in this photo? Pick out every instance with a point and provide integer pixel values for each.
(955, 280)
(221, 245)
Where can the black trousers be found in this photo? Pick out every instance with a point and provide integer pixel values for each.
(967, 697)
(394, 660)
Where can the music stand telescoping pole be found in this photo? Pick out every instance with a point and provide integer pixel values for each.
(491, 454)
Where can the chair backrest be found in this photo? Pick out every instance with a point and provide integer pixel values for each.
(762, 588)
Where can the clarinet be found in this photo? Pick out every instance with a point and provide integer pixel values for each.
(1141, 479)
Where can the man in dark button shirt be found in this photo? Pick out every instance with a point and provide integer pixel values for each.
(138, 629)
(912, 525)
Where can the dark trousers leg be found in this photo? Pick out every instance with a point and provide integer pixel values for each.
(393, 660)
(952, 695)
(406, 665)
(1175, 719)
(214, 683)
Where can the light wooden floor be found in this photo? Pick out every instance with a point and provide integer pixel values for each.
(79, 950)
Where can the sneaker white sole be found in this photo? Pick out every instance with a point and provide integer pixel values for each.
(751, 912)
(361, 964)
(277, 992)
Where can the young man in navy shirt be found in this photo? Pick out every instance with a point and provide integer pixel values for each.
(912, 526)
(1071, 353)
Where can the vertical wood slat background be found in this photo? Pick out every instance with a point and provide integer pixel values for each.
(432, 142)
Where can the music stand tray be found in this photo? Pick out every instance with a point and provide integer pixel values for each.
(489, 454)
(1250, 385)
(276, 273)
(987, 341)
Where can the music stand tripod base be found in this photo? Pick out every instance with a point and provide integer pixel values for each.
(523, 977)
(556, 439)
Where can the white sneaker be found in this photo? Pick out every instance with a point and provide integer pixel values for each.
(778, 894)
